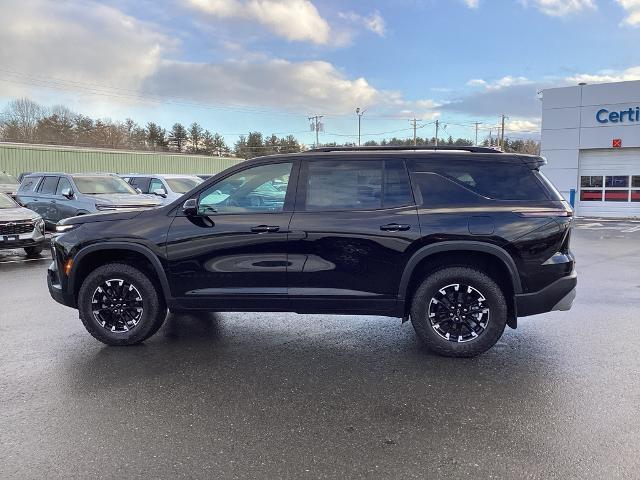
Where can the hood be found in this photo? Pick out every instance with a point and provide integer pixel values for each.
(17, 214)
(101, 217)
(126, 200)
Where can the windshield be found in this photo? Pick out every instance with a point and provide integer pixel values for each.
(100, 185)
(6, 202)
(183, 185)
(7, 178)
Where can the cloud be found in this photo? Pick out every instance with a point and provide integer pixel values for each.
(311, 86)
(561, 8)
(373, 22)
(605, 76)
(79, 40)
(472, 3)
(633, 10)
(295, 20)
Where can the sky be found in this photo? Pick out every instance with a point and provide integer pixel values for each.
(236, 66)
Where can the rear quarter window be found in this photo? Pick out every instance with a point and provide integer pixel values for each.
(29, 184)
(496, 181)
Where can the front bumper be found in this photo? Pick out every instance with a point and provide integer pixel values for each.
(557, 296)
(34, 238)
(56, 290)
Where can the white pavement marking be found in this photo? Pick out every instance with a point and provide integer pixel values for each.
(25, 260)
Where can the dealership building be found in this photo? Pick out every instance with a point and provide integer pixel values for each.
(591, 139)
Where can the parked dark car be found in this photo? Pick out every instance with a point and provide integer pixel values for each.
(56, 196)
(461, 241)
(20, 227)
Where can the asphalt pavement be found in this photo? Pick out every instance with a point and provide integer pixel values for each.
(300, 396)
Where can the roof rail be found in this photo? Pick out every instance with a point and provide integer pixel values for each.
(464, 148)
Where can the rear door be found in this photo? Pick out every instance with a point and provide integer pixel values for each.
(351, 233)
(45, 202)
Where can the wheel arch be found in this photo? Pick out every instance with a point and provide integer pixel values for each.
(141, 256)
(492, 259)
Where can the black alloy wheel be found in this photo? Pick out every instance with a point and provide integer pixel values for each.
(117, 305)
(459, 313)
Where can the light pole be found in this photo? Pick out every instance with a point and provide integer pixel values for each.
(360, 113)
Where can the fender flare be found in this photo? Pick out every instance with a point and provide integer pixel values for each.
(459, 246)
(135, 247)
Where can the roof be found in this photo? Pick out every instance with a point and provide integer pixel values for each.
(161, 175)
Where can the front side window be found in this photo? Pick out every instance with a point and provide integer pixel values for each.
(141, 183)
(102, 185)
(62, 184)
(344, 185)
(49, 185)
(256, 189)
(156, 185)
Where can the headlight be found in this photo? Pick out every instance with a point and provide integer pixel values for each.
(66, 228)
(40, 225)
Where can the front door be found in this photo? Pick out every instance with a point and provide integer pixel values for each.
(350, 235)
(233, 254)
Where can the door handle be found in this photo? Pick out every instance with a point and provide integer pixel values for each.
(395, 227)
(265, 228)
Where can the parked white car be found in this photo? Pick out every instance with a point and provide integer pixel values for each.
(169, 187)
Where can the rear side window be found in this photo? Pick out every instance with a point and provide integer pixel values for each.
(357, 185)
(141, 183)
(29, 184)
(497, 181)
(49, 185)
(344, 185)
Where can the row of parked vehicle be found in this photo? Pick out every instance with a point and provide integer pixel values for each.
(40, 200)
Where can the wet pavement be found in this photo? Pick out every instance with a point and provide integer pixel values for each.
(291, 396)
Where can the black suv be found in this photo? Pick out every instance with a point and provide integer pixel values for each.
(461, 241)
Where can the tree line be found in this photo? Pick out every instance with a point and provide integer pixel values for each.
(25, 121)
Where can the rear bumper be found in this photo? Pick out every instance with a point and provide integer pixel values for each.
(557, 296)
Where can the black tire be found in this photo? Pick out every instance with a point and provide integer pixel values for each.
(431, 331)
(33, 251)
(154, 310)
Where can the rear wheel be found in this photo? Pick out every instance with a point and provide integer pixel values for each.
(459, 312)
(120, 305)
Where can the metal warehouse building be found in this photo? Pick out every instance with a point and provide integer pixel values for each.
(591, 138)
(16, 158)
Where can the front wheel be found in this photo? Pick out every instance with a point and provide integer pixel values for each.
(459, 312)
(33, 251)
(120, 305)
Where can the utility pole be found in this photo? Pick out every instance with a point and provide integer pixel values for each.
(477, 125)
(360, 113)
(415, 127)
(502, 133)
(316, 126)
(437, 131)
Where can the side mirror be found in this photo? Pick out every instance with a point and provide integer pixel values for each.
(160, 192)
(190, 207)
(67, 193)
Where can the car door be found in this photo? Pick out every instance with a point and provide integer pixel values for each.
(64, 206)
(233, 254)
(351, 234)
(45, 203)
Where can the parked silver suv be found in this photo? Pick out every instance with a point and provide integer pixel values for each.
(20, 227)
(56, 196)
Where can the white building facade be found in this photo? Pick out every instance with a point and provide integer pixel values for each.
(591, 139)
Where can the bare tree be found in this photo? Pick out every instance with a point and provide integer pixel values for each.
(21, 116)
